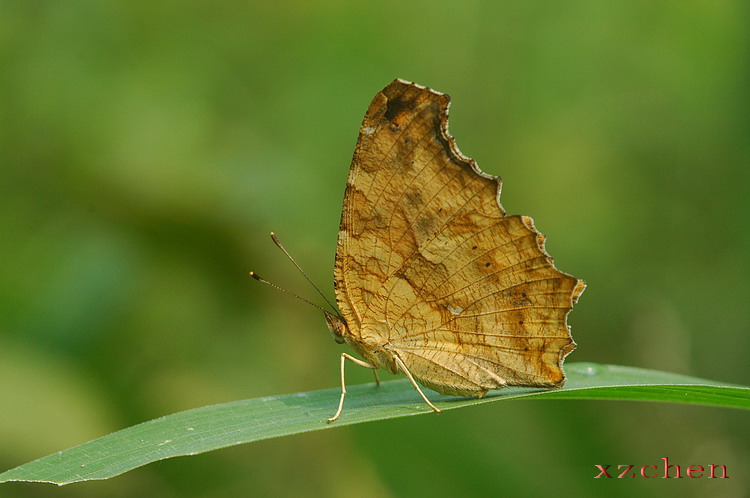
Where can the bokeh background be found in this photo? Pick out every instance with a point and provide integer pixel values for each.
(148, 148)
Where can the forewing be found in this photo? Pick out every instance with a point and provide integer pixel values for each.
(397, 168)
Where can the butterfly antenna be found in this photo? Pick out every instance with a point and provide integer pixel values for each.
(261, 279)
(283, 249)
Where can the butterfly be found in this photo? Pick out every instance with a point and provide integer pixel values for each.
(432, 279)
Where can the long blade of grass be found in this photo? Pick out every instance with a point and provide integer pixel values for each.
(218, 426)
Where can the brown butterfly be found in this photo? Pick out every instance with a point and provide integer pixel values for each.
(431, 277)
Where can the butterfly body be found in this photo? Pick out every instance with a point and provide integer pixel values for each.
(372, 346)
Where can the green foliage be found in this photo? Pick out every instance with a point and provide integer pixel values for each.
(209, 428)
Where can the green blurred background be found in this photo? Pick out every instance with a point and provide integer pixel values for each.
(147, 149)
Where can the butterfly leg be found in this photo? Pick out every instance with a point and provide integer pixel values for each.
(356, 361)
(403, 368)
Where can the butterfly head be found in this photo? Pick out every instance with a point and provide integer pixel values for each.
(337, 326)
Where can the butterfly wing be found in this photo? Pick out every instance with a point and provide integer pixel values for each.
(429, 268)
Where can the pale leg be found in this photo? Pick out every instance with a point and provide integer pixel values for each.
(361, 363)
(413, 382)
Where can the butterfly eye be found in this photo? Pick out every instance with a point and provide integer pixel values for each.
(337, 326)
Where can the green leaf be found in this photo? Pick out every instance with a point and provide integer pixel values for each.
(218, 426)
